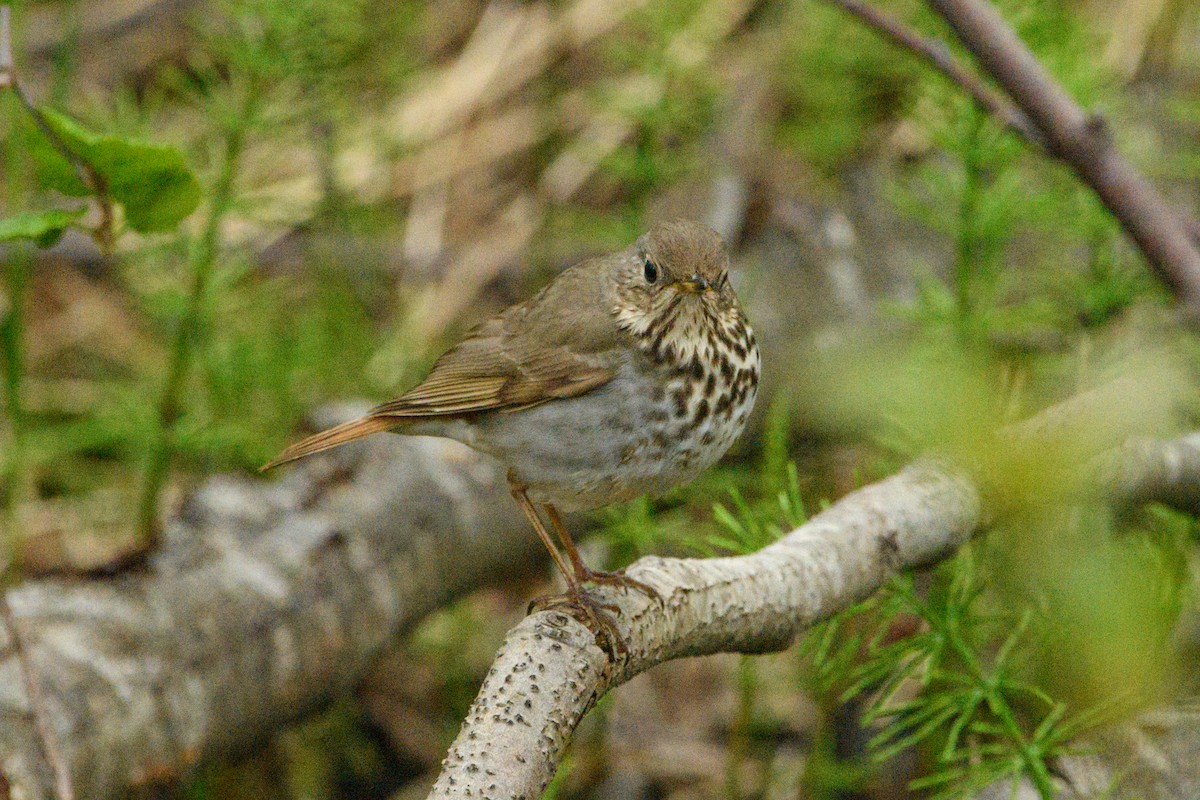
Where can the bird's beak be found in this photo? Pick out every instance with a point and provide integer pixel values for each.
(696, 284)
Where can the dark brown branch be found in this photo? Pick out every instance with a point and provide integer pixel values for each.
(1045, 115)
(937, 54)
(1083, 141)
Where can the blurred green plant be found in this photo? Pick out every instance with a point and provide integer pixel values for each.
(144, 186)
(241, 359)
(150, 183)
(1000, 660)
(954, 685)
(841, 88)
(202, 255)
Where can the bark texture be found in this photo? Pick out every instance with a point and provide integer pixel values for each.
(550, 671)
(264, 600)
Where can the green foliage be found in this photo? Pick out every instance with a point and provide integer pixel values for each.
(452, 642)
(151, 181)
(1011, 205)
(671, 103)
(1000, 660)
(44, 228)
(840, 83)
(1108, 595)
(745, 529)
(328, 755)
(943, 669)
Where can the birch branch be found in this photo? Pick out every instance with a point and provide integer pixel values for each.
(549, 671)
(1145, 471)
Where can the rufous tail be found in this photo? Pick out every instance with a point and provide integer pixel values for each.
(339, 434)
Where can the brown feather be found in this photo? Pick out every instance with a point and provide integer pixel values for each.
(527, 355)
(518, 359)
(339, 434)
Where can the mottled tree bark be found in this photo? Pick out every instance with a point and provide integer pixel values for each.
(550, 671)
(269, 597)
(265, 599)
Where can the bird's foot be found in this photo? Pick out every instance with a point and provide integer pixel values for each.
(597, 616)
(585, 574)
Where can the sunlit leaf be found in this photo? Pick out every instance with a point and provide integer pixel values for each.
(151, 181)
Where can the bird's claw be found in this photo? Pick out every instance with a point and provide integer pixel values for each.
(597, 616)
(618, 578)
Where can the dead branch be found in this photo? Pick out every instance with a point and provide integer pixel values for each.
(550, 671)
(1046, 115)
(938, 55)
(1082, 140)
(264, 601)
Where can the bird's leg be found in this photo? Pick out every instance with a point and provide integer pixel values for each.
(518, 493)
(584, 573)
(593, 614)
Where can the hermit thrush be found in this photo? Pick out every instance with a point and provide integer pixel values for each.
(627, 375)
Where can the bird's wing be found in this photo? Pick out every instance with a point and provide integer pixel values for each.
(495, 369)
(529, 354)
(477, 375)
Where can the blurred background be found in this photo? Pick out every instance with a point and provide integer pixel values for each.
(374, 178)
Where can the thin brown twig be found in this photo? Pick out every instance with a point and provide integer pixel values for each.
(46, 736)
(1082, 140)
(937, 54)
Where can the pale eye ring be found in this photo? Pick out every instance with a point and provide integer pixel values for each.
(650, 271)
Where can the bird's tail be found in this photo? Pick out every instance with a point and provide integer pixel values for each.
(339, 434)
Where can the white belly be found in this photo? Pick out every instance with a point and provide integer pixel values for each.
(616, 442)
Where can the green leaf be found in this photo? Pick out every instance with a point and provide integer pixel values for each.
(43, 227)
(152, 181)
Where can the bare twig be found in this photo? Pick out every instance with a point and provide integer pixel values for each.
(939, 56)
(1081, 139)
(51, 748)
(1047, 116)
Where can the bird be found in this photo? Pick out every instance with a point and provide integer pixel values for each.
(627, 375)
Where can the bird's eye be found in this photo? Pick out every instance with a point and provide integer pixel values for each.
(650, 271)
